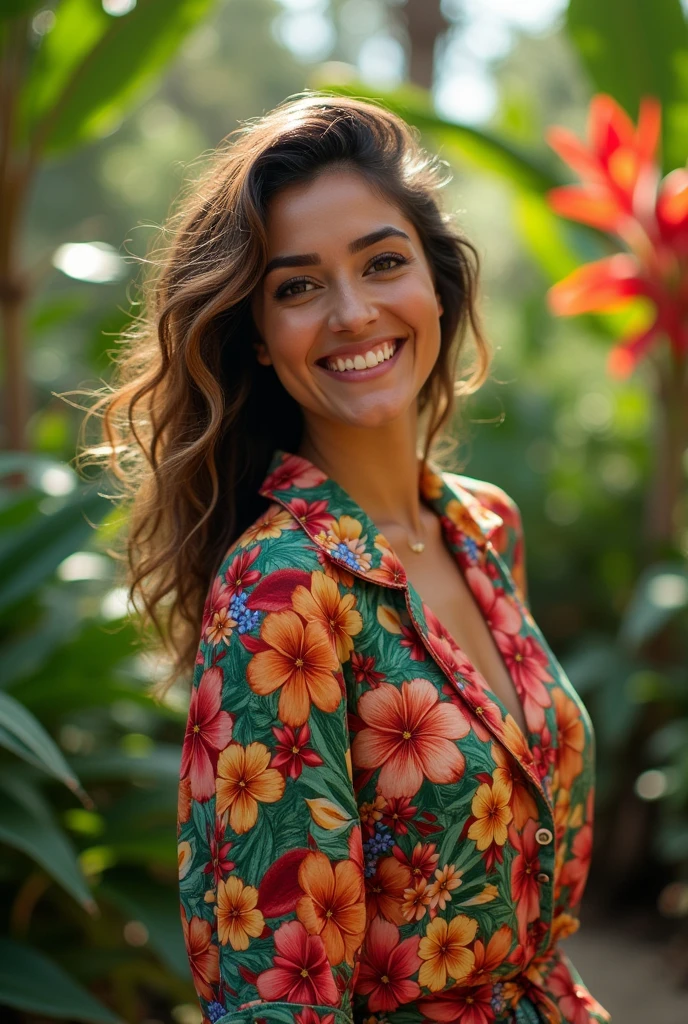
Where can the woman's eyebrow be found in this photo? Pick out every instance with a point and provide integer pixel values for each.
(310, 259)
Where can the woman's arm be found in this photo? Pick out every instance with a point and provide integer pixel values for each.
(270, 855)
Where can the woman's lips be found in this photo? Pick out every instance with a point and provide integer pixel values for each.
(349, 376)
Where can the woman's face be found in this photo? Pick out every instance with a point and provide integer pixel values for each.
(347, 310)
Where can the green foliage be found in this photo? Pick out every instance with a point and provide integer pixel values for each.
(632, 48)
(92, 66)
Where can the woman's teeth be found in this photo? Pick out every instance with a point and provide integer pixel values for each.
(365, 360)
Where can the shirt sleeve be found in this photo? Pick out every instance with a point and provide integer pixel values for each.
(508, 539)
(270, 855)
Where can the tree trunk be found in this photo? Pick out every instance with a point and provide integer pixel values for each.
(424, 23)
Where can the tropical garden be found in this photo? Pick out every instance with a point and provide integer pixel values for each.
(567, 136)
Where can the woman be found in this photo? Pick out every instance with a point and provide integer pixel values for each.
(386, 797)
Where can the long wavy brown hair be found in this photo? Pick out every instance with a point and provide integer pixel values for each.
(191, 419)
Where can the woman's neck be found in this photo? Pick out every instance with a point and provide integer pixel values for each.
(377, 467)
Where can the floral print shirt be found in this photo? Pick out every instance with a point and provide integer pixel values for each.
(365, 833)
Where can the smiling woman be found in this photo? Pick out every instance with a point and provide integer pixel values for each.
(387, 780)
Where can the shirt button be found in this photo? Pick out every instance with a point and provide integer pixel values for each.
(543, 836)
(542, 877)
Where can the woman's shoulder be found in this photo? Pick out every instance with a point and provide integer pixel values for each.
(490, 495)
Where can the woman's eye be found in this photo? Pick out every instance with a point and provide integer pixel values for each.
(387, 258)
(286, 290)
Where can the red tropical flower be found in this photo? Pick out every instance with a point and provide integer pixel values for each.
(575, 871)
(525, 888)
(387, 966)
(294, 471)
(423, 860)
(461, 1005)
(411, 734)
(621, 193)
(364, 669)
(397, 812)
(313, 514)
(240, 575)
(219, 865)
(527, 665)
(208, 730)
(292, 752)
(301, 973)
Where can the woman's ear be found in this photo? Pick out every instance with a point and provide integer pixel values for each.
(262, 354)
(439, 303)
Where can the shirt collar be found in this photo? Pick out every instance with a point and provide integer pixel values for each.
(339, 526)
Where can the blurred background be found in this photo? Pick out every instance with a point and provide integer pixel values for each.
(107, 108)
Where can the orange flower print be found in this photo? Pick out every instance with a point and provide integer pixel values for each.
(244, 780)
(523, 805)
(269, 526)
(332, 906)
(344, 540)
(238, 920)
(217, 624)
(416, 901)
(412, 735)
(204, 955)
(443, 951)
(571, 739)
(446, 880)
(385, 890)
(324, 604)
(487, 959)
(490, 807)
(300, 661)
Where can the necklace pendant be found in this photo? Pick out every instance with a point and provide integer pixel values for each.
(418, 547)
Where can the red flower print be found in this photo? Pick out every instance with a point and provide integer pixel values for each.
(398, 811)
(423, 860)
(574, 1002)
(204, 955)
(301, 973)
(412, 735)
(219, 864)
(387, 966)
(364, 669)
(208, 730)
(575, 871)
(310, 1016)
(313, 514)
(460, 1005)
(413, 642)
(499, 612)
(525, 888)
(294, 471)
(544, 754)
(527, 665)
(292, 752)
(240, 575)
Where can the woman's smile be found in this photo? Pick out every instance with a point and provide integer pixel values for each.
(363, 361)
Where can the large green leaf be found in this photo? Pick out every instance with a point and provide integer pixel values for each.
(27, 734)
(29, 981)
(633, 48)
(154, 906)
(92, 66)
(459, 142)
(661, 594)
(26, 824)
(30, 554)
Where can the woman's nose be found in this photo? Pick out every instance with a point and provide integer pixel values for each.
(351, 310)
